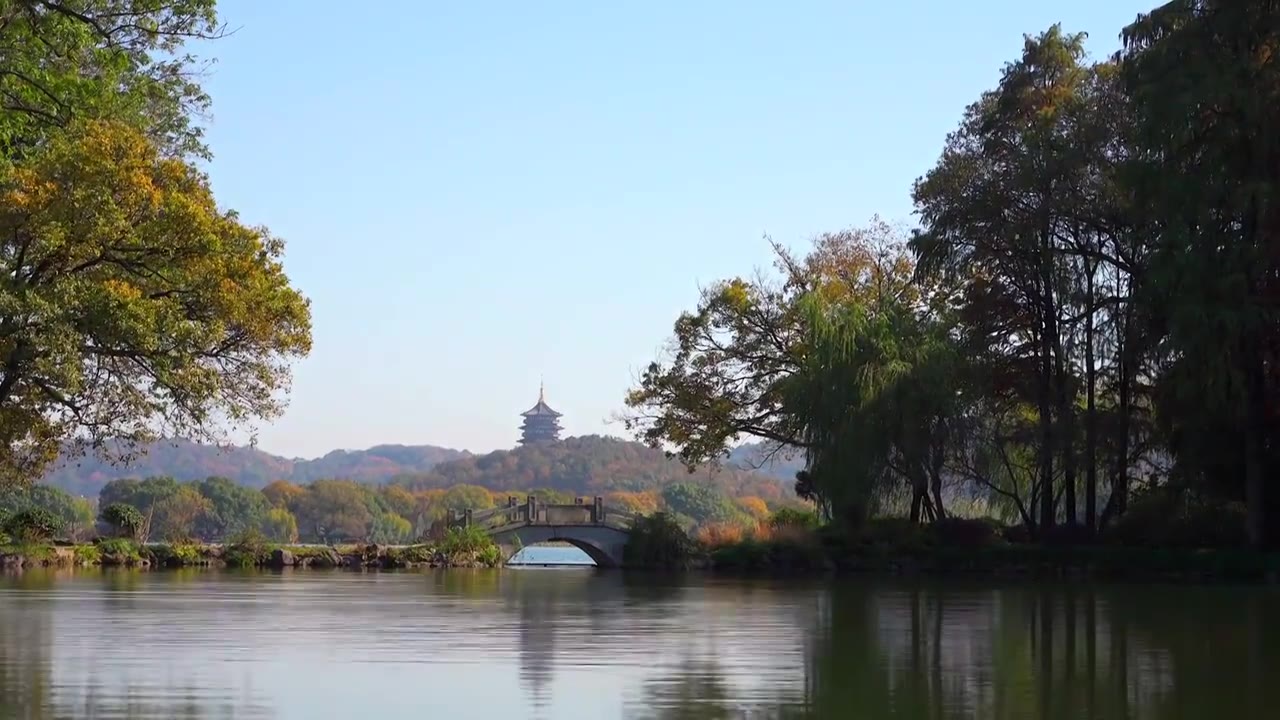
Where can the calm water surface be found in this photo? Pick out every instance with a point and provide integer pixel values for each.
(576, 643)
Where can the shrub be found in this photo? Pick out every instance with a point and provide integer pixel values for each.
(119, 551)
(491, 555)
(31, 525)
(794, 517)
(177, 554)
(894, 533)
(87, 554)
(415, 554)
(658, 541)
(776, 549)
(1171, 517)
(719, 534)
(247, 549)
(465, 540)
(125, 520)
(965, 532)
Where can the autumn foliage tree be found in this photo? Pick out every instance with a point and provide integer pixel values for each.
(132, 307)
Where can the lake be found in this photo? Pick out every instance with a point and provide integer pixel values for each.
(582, 644)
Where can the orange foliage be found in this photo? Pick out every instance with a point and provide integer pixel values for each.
(790, 534)
(754, 506)
(283, 494)
(640, 503)
(714, 535)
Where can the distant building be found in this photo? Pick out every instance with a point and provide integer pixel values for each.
(541, 424)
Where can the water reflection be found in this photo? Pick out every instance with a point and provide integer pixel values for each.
(582, 643)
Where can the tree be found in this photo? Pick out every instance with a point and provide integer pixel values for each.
(32, 525)
(399, 500)
(176, 515)
(141, 494)
(125, 520)
(158, 313)
(61, 60)
(645, 503)
(700, 502)
(79, 519)
(390, 528)
(727, 358)
(233, 508)
(284, 494)
(1206, 176)
(279, 525)
(334, 510)
(464, 497)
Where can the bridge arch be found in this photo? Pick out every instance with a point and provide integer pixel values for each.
(603, 544)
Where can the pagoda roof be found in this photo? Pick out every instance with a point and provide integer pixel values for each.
(541, 408)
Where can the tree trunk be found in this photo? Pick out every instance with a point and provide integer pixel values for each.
(1048, 335)
(1066, 417)
(1091, 411)
(1254, 448)
(1119, 501)
(1044, 403)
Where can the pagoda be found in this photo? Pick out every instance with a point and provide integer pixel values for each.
(541, 424)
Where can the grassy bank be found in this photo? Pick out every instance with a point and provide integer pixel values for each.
(457, 549)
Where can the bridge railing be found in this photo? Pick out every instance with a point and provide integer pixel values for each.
(535, 512)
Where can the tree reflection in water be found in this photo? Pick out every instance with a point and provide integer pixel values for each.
(38, 683)
(1044, 653)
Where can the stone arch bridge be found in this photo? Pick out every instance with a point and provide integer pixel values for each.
(598, 531)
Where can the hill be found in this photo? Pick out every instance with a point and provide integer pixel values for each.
(756, 456)
(582, 465)
(588, 465)
(186, 460)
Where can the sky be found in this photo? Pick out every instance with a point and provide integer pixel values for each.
(480, 196)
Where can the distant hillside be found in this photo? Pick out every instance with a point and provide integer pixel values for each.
(185, 460)
(589, 465)
(755, 456)
(584, 465)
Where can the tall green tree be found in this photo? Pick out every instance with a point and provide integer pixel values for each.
(998, 212)
(1205, 75)
(233, 508)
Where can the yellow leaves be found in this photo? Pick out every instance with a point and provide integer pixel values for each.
(737, 294)
(183, 313)
(754, 506)
(121, 290)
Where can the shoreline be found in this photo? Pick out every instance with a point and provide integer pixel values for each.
(161, 556)
(1099, 563)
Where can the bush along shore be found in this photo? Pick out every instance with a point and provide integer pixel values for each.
(456, 549)
(954, 547)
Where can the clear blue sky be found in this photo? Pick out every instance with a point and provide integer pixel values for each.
(479, 194)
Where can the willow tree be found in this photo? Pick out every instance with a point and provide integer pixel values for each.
(874, 401)
(720, 379)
